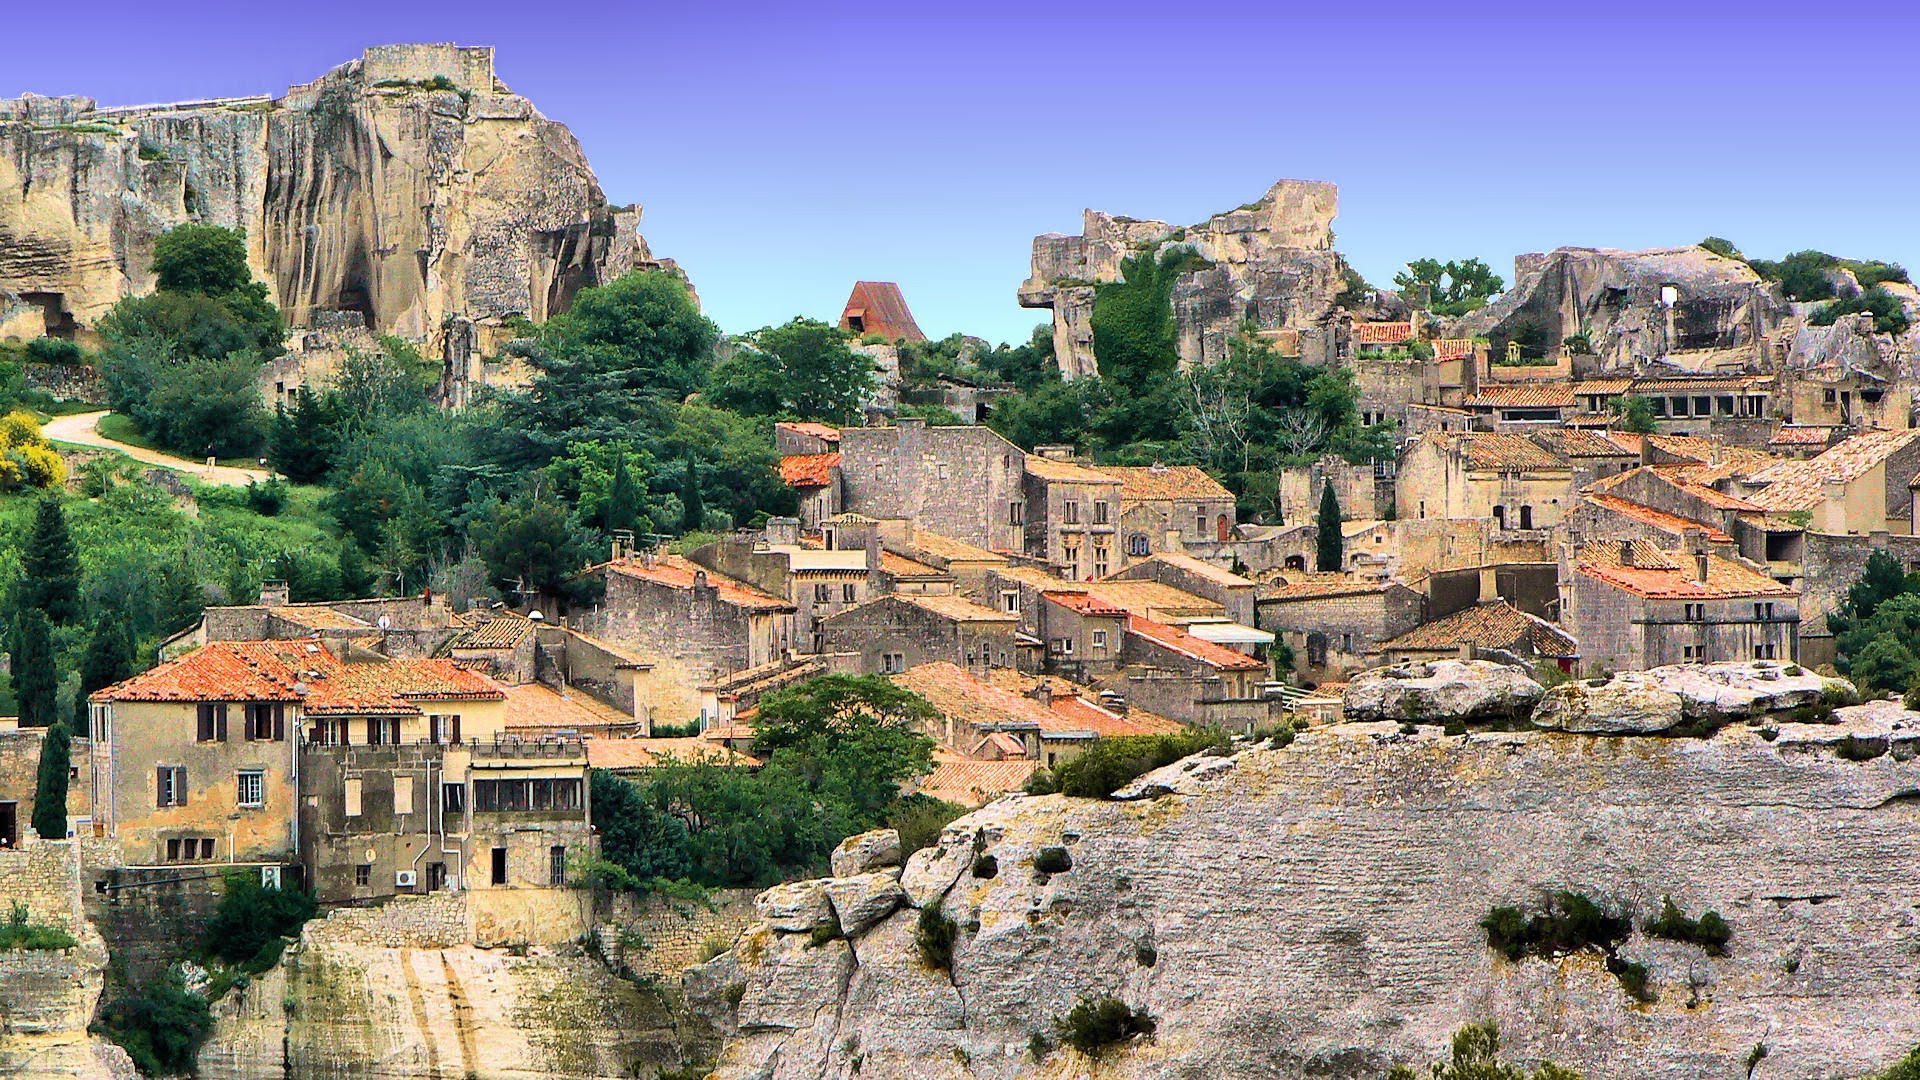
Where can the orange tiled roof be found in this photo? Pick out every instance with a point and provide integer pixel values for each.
(825, 432)
(1496, 625)
(1601, 387)
(1452, 348)
(1659, 519)
(1557, 395)
(1156, 483)
(1065, 471)
(301, 670)
(962, 780)
(1299, 585)
(901, 566)
(1186, 644)
(808, 470)
(1101, 720)
(1799, 485)
(675, 572)
(1381, 333)
(1674, 576)
(881, 310)
(500, 630)
(1201, 568)
(1582, 442)
(1707, 384)
(958, 608)
(1084, 603)
(958, 694)
(1496, 450)
(1800, 435)
(532, 705)
(623, 754)
(1682, 478)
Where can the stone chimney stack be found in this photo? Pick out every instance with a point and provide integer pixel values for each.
(274, 592)
(1626, 553)
(622, 544)
(783, 530)
(1700, 567)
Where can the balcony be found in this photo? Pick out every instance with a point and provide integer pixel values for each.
(566, 746)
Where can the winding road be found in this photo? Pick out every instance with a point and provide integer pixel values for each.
(83, 429)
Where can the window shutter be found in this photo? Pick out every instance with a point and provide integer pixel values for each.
(220, 721)
(179, 785)
(279, 721)
(163, 779)
(456, 729)
(204, 732)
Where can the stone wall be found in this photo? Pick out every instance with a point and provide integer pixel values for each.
(153, 916)
(66, 382)
(659, 937)
(43, 875)
(20, 774)
(434, 921)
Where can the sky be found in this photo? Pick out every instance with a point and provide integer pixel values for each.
(784, 151)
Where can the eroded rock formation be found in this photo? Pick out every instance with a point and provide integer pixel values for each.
(410, 186)
(1312, 912)
(1273, 264)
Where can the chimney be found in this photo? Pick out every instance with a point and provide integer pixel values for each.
(1042, 693)
(1695, 541)
(1626, 553)
(699, 579)
(622, 544)
(274, 592)
(1700, 567)
(783, 530)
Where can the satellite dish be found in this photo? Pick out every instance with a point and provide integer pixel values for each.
(535, 615)
(385, 622)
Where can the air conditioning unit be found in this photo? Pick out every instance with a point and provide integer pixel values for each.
(269, 877)
(403, 879)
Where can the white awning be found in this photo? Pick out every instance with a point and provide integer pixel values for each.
(1229, 633)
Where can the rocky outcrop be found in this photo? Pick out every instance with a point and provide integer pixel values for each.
(1438, 690)
(1313, 911)
(409, 186)
(1636, 306)
(1270, 262)
(1663, 698)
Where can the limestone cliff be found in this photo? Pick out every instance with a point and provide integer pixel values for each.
(1272, 260)
(1311, 912)
(409, 186)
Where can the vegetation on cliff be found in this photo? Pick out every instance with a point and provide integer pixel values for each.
(1476, 1056)
(1455, 287)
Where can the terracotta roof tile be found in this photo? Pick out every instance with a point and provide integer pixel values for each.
(1218, 656)
(676, 572)
(824, 432)
(1707, 384)
(1159, 483)
(1582, 443)
(1452, 348)
(958, 608)
(1084, 603)
(1201, 568)
(1799, 485)
(966, 782)
(301, 670)
(1381, 333)
(808, 470)
(1532, 396)
(1677, 579)
(501, 630)
(1601, 387)
(1496, 625)
(629, 754)
(532, 705)
(1297, 585)
(881, 310)
(901, 566)
(1154, 600)
(1065, 471)
(1659, 519)
(1497, 450)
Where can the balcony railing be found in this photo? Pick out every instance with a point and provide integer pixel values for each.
(566, 745)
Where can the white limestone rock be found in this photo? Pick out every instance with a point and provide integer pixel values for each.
(1627, 704)
(1441, 690)
(1663, 698)
(866, 852)
(862, 900)
(794, 906)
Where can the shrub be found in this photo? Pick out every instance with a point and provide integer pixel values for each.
(1280, 734)
(934, 936)
(1709, 931)
(1096, 1025)
(252, 918)
(919, 819)
(1633, 978)
(267, 499)
(1476, 1056)
(1567, 923)
(1039, 1046)
(713, 946)
(1907, 1068)
(986, 866)
(827, 929)
(1112, 763)
(1052, 860)
(1145, 955)
(1042, 782)
(161, 1026)
(1889, 314)
(1854, 748)
(734, 992)
(18, 933)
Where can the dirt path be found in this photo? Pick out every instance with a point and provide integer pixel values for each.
(84, 429)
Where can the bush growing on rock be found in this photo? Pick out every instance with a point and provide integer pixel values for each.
(1052, 860)
(1567, 923)
(1096, 1025)
(1476, 1056)
(1111, 764)
(161, 1026)
(934, 936)
(1709, 931)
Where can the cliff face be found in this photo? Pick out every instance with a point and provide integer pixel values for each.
(1273, 264)
(409, 186)
(1311, 912)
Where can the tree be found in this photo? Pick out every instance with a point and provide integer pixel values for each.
(1880, 580)
(639, 838)
(622, 513)
(36, 681)
(858, 736)
(1133, 329)
(302, 443)
(1455, 288)
(1332, 542)
(1879, 652)
(208, 406)
(203, 259)
(1635, 413)
(803, 368)
(693, 512)
(50, 790)
(107, 660)
(532, 543)
(49, 567)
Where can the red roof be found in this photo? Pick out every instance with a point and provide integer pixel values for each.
(880, 309)
(823, 432)
(1186, 644)
(302, 670)
(808, 470)
(1659, 519)
(1084, 603)
(675, 572)
(1381, 333)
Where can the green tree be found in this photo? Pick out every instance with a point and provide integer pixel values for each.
(1331, 547)
(533, 543)
(1880, 580)
(107, 660)
(1051, 412)
(1888, 311)
(693, 510)
(623, 499)
(252, 918)
(804, 369)
(1133, 329)
(203, 259)
(857, 736)
(1878, 651)
(1635, 413)
(1456, 287)
(636, 836)
(208, 407)
(1721, 246)
(36, 681)
(1476, 1056)
(49, 566)
(50, 791)
(302, 443)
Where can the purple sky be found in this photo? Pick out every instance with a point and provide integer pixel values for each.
(783, 151)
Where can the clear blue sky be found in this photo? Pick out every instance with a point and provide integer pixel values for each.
(783, 151)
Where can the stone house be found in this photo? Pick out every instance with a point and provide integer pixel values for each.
(377, 776)
(963, 482)
(1170, 508)
(1492, 626)
(1234, 594)
(1520, 406)
(401, 626)
(894, 633)
(1500, 475)
(1045, 721)
(1633, 605)
(919, 556)
(1149, 663)
(815, 479)
(805, 438)
(815, 581)
(1072, 514)
(1335, 624)
(1859, 486)
(691, 624)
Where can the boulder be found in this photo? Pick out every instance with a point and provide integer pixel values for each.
(1627, 704)
(866, 852)
(1874, 727)
(794, 906)
(862, 900)
(1441, 690)
(1663, 698)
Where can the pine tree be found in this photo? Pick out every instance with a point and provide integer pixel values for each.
(109, 659)
(49, 569)
(623, 501)
(693, 512)
(36, 683)
(303, 437)
(1332, 544)
(50, 792)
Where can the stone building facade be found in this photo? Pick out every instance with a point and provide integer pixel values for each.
(1072, 515)
(962, 482)
(894, 633)
(1632, 605)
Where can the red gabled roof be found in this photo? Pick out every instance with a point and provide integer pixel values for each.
(675, 572)
(1659, 519)
(1186, 644)
(881, 310)
(1084, 603)
(823, 432)
(1381, 333)
(302, 670)
(808, 470)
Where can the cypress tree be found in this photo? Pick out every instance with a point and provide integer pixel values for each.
(302, 442)
(108, 660)
(50, 792)
(623, 509)
(693, 512)
(49, 569)
(1332, 544)
(36, 684)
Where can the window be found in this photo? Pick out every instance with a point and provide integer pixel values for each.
(266, 720)
(1063, 646)
(1689, 653)
(170, 786)
(352, 799)
(1763, 652)
(436, 876)
(1070, 512)
(1526, 517)
(1828, 397)
(893, 663)
(1100, 560)
(403, 794)
(383, 731)
(1139, 546)
(363, 875)
(1100, 512)
(453, 798)
(557, 864)
(1346, 643)
(1073, 562)
(252, 787)
(1499, 517)
(822, 594)
(1763, 611)
(1696, 613)
(1016, 513)
(544, 793)
(189, 849)
(1010, 601)
(939, 473)
(499, 876)
(849, 593)
(213, 721)
(1099, 642)
(1200, 525)
(445, 730)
